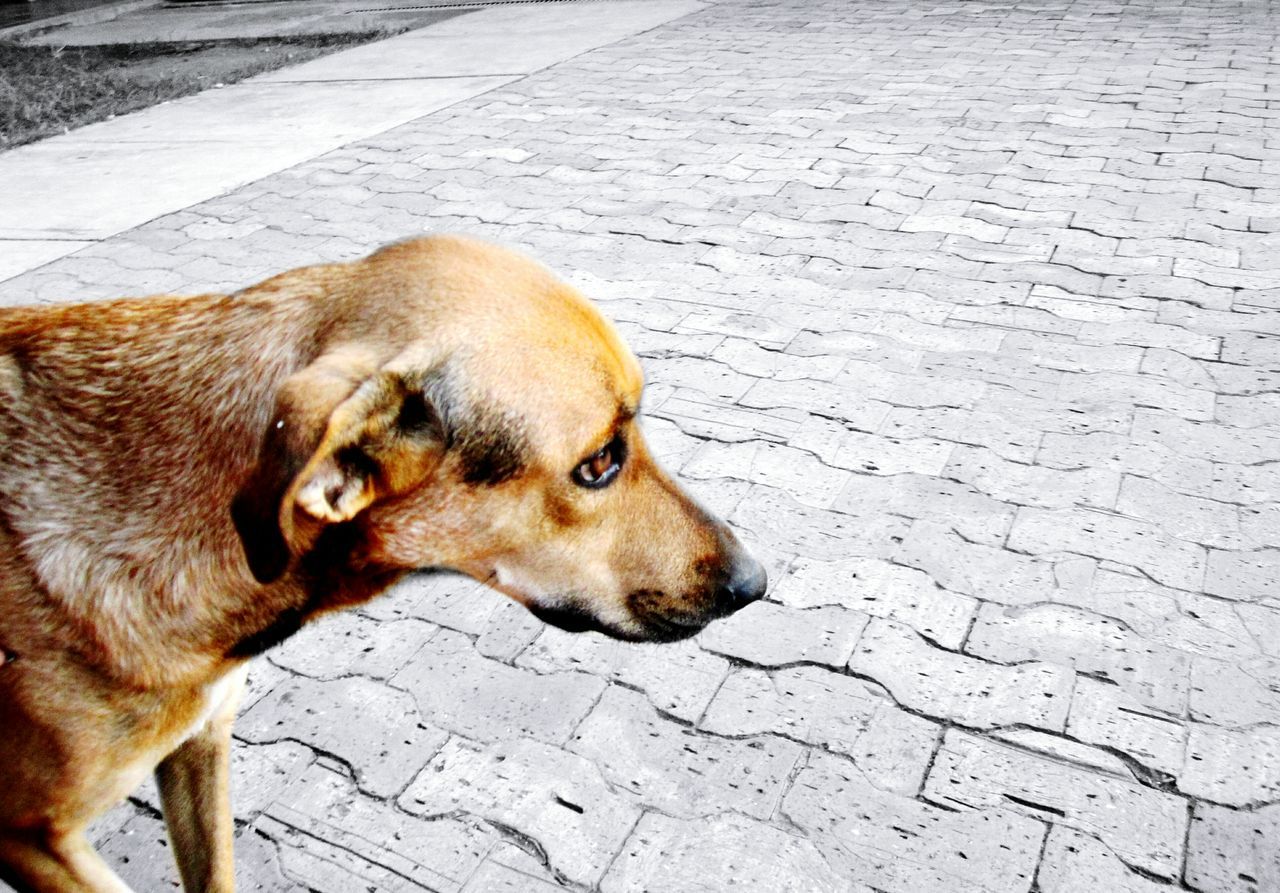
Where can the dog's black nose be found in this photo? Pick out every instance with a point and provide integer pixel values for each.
(746, 584)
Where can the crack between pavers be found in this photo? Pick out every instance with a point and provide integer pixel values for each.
(1137, 571)
(534, 847)
(1185, 868)
(344, 765)
(339, 846)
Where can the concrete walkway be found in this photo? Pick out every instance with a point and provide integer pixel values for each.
(64, 193)
(967, 315)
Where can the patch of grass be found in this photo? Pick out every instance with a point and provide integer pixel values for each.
(47, 90)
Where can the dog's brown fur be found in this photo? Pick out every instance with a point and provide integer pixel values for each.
(187, 480)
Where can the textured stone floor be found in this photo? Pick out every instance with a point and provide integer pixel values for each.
(966, 314)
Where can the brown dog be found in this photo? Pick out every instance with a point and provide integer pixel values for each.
(185, 481)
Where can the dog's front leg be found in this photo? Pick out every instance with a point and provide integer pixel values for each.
(193, 783)
(61, 863)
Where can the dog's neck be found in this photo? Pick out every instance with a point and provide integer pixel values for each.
(143, 562)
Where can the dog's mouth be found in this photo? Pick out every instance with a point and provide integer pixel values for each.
(574, 619)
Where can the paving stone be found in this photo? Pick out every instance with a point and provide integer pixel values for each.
(377, 730)
(821, 397)
(666, 853)
(445, 600)
(1090, 643)
(1222, 443)
(699, 418)
(140, 851)
(258, 868)
(1233, 851)
(1106, 450)
(1243, 576)
(1144, 827)
(510, 629)
(1142, 390)
(679, 678)
(974, 515)
(352, 644)
(1010, 372)
(749, 358)
(711, 379)
(1253, 487)
(776, 517)
(1111, 537)
(1246, 411)
(805, 477)
(983, 429)
(1051, 416)
(974, 693)
(1036, 485)
(986, 572)
(928, 336)
(1191, 518)
(1105, 715)
(494, 877)
(259, 774)
(1069, 355)
(1235, 693)
(676, 769)
(902, 389)
(1081, 863)
(557, 798)
(1184, 621)
(486, 700)
(769, 634)
(1231, 766)
(896, 843)
(839, 713)
(1057, 746)
(840, 446)
(263, 676)
(331, 839)
(880, 589)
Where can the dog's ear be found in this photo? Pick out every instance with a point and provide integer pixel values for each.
(345, 433)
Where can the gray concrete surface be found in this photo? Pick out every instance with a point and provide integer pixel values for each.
(83, 186)
(221, 21)
(967, 316)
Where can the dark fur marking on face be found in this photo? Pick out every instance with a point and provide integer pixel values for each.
(491, 449)
(491, 445)
(559, 511)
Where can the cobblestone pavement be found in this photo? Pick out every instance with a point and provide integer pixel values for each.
(966, 315)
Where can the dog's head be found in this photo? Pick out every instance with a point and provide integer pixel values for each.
(470, 412)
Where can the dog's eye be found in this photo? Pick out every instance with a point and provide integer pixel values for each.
(601, 467)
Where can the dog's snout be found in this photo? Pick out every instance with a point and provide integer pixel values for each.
(746, 584)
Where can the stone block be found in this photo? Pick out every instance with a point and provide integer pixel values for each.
(377, 730)
(723, 852)
(1233, 767)
(556, 798)
(458, 689)
(880, 589)
(897, 843)
(972, 692)
(1144, 827)
(1230, 851)
(678, 770)
(840, 713)
(1102, 535)
(680, 678)
(770, 634)
(1154, 675)
(1081, 863)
